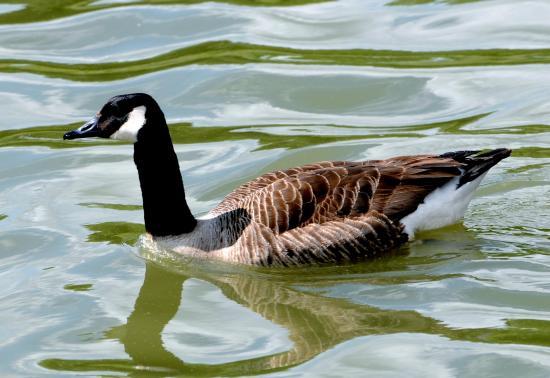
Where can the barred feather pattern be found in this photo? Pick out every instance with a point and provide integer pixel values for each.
(321, 213)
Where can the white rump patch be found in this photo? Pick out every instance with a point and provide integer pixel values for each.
(442, 207)
(129, 130)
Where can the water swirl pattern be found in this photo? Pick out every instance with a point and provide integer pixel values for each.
(249, 86)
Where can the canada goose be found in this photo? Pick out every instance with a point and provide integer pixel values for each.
(317, 213)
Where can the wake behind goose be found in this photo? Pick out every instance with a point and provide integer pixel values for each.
(317, 213)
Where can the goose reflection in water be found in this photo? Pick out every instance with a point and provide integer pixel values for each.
(314, 322)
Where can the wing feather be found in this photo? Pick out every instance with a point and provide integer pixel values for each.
(328, 191)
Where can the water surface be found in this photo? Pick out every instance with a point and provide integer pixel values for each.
(247, 87)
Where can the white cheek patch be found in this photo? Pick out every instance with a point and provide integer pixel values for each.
(129, 130)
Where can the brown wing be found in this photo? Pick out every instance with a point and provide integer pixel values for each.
(315, 196)
(405, 181)
(233, 199)
(328, 191)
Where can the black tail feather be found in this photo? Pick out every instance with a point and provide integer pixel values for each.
(477, 162)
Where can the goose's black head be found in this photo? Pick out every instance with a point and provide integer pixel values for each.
(122, 118)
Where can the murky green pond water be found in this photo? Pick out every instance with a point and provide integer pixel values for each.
(250, 86)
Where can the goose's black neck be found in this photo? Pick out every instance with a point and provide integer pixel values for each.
(164, 206)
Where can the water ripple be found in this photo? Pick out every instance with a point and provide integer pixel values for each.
(247, 87)
(140, 32)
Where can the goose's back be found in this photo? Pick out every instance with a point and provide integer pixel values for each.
(331, 211)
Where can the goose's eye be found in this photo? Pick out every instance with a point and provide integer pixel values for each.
(111, 110)
(108, 125)
(115, 112)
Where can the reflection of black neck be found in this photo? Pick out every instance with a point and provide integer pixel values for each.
(165, 209)
(157, 303)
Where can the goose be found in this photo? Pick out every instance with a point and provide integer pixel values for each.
(326, 212)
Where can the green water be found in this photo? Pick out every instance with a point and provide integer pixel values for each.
(247, 87)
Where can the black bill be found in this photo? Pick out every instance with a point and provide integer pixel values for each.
(89, 129)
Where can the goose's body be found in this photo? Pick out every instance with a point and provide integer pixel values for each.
(317, 213)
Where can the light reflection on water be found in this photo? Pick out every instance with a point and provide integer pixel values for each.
(79, 296)
(347, 24)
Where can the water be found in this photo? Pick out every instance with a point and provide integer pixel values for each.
(248, 89)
